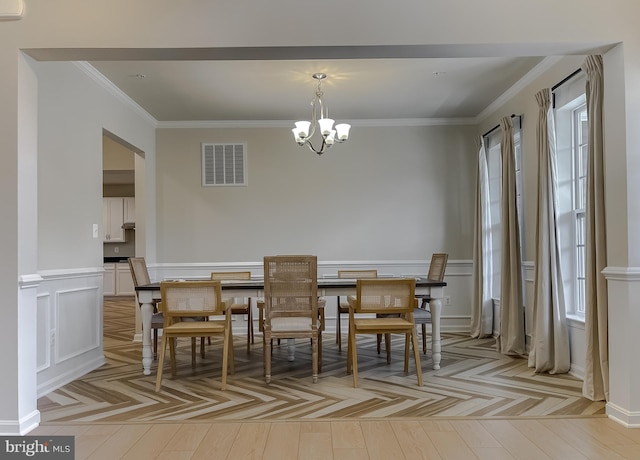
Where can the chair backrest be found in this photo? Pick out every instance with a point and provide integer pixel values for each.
(191, 298)
(219, 276)
(385, 295)
(437, 266)
(291, 287)
(139, 271)
(357, 274)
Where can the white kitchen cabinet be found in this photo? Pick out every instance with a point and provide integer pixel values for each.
(124, 281)
(117, 280)
(129, 210)
(109, 280)
(112, 219)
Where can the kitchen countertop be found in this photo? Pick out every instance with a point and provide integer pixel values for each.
(114, 260)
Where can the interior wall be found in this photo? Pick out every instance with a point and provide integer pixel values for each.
(73, 110)
(394, 193)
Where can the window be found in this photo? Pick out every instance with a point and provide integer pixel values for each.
(572, 136)
(580, 128)
(224, 164)
(494, 160)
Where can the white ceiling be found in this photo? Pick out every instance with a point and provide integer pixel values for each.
(281, 89)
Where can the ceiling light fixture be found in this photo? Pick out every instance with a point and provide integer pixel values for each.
(329, 135)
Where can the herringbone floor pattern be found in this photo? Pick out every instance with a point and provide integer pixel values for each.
(474, 381)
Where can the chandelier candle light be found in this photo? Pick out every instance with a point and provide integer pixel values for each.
(329, 134)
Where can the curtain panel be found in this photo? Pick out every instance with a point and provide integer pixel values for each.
(512, 333)
(550, 335)
(596, 382)
(482, 303)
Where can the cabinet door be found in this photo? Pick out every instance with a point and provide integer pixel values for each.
(124, 281)
(109, 280)
(113, 217)
(130, 210)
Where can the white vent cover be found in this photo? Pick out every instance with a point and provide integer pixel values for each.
(224, 164)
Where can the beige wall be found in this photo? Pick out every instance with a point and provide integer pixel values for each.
(395, 193)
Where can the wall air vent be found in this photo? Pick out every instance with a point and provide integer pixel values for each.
(224, 164)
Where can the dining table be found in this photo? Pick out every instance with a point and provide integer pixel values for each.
(149, 295)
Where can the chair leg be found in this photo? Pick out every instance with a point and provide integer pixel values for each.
(314, 359)
(155, 344)
(416, 355)
(378, 342)
(225, 359)
(267, 361)
(319, 351)
(338, 327)
(161, 363)
(172, 354)
(407, 344)
(387, 345)
(202, 346)
(249, 328)
(354, 358)
(193, 352)
(424, 339)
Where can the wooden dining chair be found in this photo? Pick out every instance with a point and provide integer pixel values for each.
(343, 307)
(422, 314)
(184, 300)
(240, 306)
(392, 300)
(291, 305)
(140, 276)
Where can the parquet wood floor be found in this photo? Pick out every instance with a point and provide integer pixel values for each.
(474, 382)
(480, 405)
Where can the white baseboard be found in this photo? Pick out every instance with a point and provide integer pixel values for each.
(622, 416)
(20, 427)
(62, 379)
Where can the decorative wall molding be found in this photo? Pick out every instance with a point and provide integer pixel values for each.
(622, 273)
(70, 303)
(71, 273)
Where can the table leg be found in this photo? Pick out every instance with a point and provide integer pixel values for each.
(147, 353)
(435, 306)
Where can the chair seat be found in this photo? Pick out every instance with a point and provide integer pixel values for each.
(239, 308)
(423, 296)
(195, 327)
(420, 315)
(157, 320)
(388, 324)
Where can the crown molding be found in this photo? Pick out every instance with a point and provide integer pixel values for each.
(114, 90)
(529, 78)
(377, 123)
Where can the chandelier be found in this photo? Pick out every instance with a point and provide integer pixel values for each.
(329, 134)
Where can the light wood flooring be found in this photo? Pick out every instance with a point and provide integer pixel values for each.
(479, 405)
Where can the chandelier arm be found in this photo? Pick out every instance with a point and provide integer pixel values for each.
(322, 147)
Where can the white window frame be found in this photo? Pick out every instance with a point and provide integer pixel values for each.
(570, 103)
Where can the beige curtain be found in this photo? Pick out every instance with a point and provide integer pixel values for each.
(511, 340)
(550, 336)
(596, 381)
(482, 304)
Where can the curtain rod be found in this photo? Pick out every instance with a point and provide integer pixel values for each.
(566, 79)
(513, 115)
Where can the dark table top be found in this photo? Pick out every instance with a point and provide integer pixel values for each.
(323, 283)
